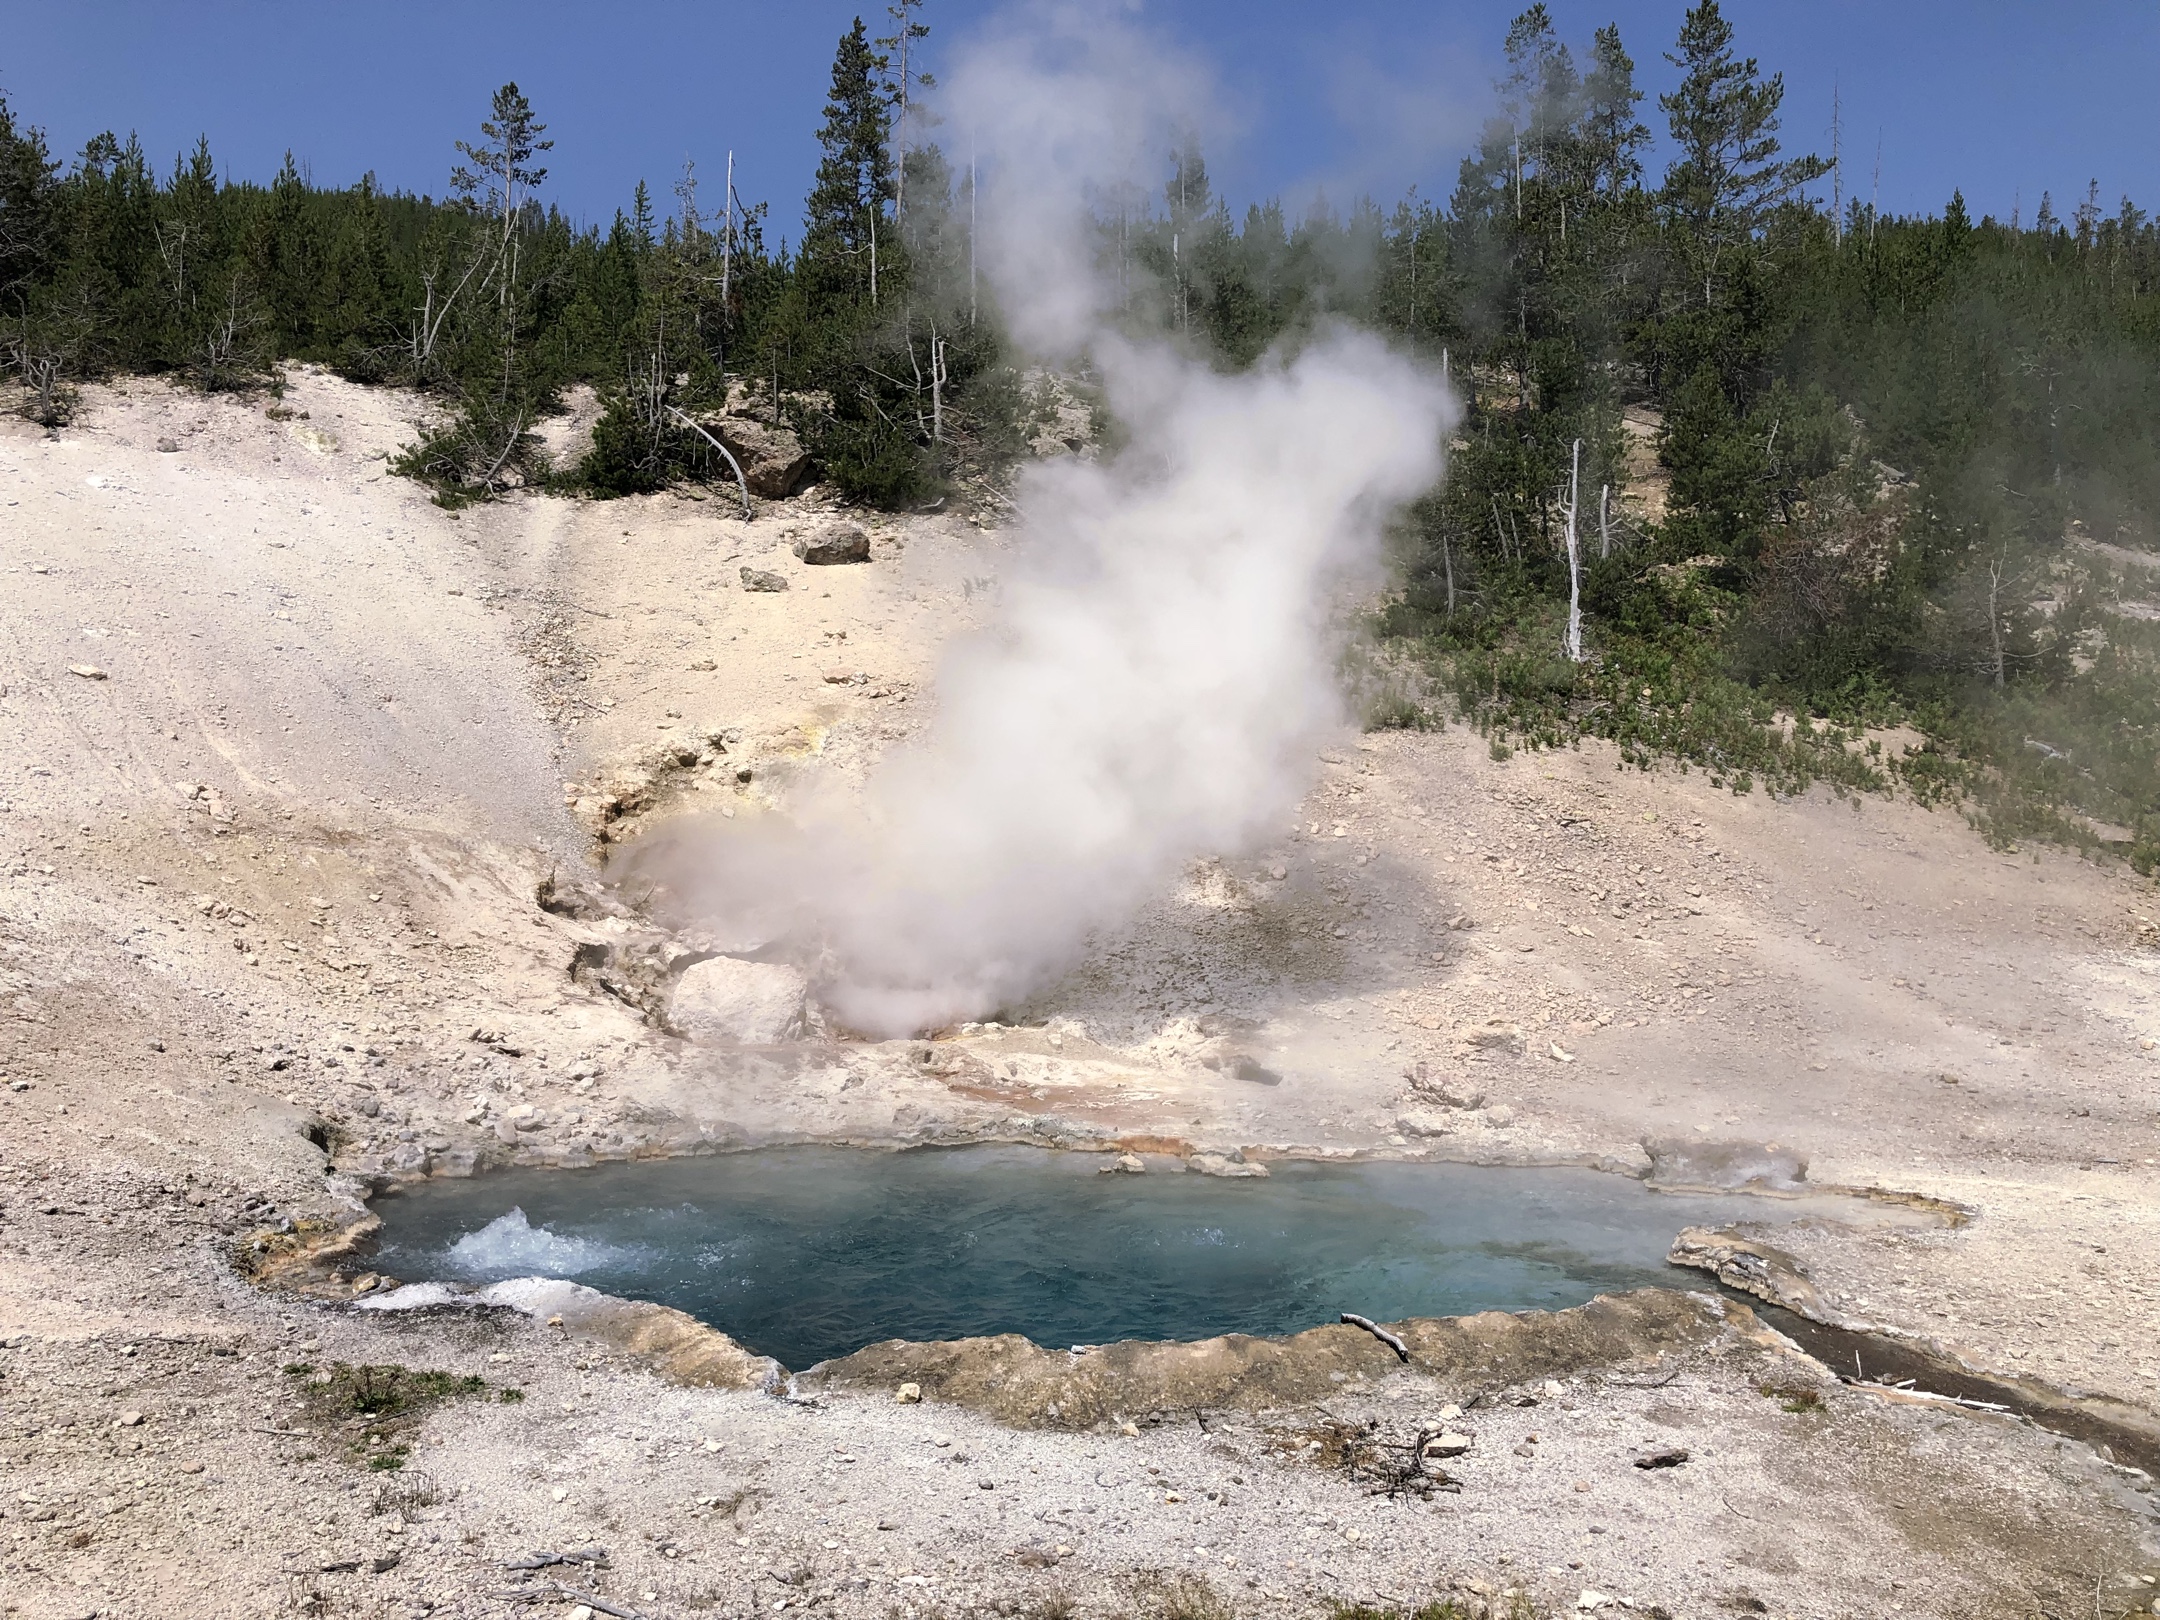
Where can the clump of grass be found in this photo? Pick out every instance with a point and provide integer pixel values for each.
(1793, 1397)
(1186, 1597)
(387, 1391)
(1510, 1604)
(412, 1490)
(379, 1405)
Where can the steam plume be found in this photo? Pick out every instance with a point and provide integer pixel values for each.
(1159, 672)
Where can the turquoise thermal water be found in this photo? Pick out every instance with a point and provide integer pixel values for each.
(811, 1252)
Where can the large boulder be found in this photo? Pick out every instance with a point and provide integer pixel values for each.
(773, 459)
(727, 999)
(834, 543)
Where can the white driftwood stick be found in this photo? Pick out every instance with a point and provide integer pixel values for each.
(1402, 1351)
(741, 482)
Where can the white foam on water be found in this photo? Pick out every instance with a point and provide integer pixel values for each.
(511, 1246)
(413, 1297)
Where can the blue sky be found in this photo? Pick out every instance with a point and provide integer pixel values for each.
(2004, 99)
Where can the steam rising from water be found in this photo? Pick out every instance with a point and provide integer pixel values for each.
(1159, 672)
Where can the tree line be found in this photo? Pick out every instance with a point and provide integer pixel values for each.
(866, 336)
(1744, 471)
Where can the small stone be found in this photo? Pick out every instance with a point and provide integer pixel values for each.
(1554, 1389)
(1423, 1122)
(704, 666)
(1450, 1412)
(727, 998)
(834, 543)
(191, 1468)
(908, 1394)
(1591, 1599)
(89, 672)
(1494, 1034)
(1217, 1164)
(1662, 1457)
(1449, 1444)
(712, 1445)
(762, 579)
(131, 1420)
(1172, 1496)
(1125, 1164)
(559, 1494)
(986, 1484)
(386, 1562)
(582, 1612)
(167, 447)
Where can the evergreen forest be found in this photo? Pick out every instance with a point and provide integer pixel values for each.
(1750, 476)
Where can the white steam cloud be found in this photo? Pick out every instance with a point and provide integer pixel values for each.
(1160, 671)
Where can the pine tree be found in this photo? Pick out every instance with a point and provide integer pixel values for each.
(1613, 135)
(502, 172)
(1538, 96)
(288, 262)
(897, 50)
(1724, 119)
(28, 196)
(844, 214)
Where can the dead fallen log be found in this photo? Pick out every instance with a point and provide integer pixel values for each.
(1402, 1351)
(557, 1592)
(541, 1559)
(1904, 1390)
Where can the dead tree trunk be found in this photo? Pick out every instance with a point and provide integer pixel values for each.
(1574, 560)
(1997, 655)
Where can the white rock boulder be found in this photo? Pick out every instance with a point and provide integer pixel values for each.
(727, 999)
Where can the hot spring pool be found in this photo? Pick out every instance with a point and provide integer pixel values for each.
(808, 1253)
